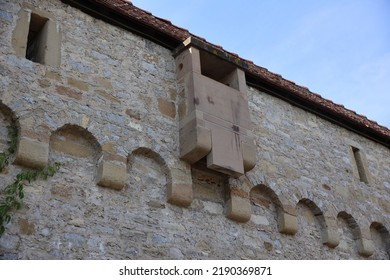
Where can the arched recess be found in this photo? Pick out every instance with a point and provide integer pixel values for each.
(150, 177)
(351, 241)
(70, 199)
(381, 238)
(311, 220)
(266, 207)
(77, 149)
(7, 120)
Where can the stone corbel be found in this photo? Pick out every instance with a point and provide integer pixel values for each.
(112, 174)
(32, 153)
(287, 220)
(330, 236)
(238, 209)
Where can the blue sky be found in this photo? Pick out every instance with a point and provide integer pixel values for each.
(339, 49)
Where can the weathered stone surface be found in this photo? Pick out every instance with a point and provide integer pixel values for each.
(180, 194)
(366, 247)
(69, 216)
(32, 153)
(288, 224)
(112, 175)
(69, 92)
(238, 209)
(78, 84)
(167, 108)
(26, 227)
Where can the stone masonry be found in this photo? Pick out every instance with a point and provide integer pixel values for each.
(107, 103)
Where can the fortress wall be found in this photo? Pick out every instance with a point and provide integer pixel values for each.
(112, 104)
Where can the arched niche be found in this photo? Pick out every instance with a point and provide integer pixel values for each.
(266, 207)
(311, 223)
(75, 141)
(351, 241)
(149, 177)
(381, 238)
(78, 150)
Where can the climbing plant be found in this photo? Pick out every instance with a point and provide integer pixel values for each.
(14, 192)
(12, 143)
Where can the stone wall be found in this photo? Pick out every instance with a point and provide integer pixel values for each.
(109, 114)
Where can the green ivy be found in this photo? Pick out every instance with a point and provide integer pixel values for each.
(15, 194)
(12, 143)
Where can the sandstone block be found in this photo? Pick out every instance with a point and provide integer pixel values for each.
(330, 235)
(330, 238)
(366, 247)
(238, 209)
(32, 153)
(68, 92)
(195, 143)
(290, 209)
(288, 224)
(105, 83)
(78, 84)
(167, 108)
(248, 155)
(52, 75)
(180, 194)
(112, 175)
(71, 147)
(25, 227)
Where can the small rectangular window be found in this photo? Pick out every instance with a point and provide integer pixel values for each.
(37, 37)
(360, 165)
(36, 40)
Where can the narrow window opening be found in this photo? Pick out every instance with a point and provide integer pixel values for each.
(36, 39)
(359, 161)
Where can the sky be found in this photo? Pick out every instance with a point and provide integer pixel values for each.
(339, 49)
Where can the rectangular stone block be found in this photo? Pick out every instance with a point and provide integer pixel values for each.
(180, 194)
(32, 153)
(19, 38)
(70, 147)
(195, 142)
(167, 108)
(288, 224)
(81, 85)
(366, 247)
(226, 154)
(330, 237)
(68, 92)
(248, 155)
(112, 175)
(238, 209)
